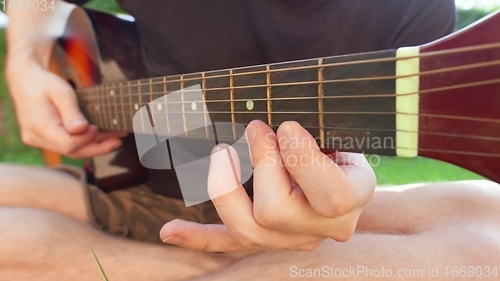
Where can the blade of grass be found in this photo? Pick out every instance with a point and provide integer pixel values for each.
(98, 263)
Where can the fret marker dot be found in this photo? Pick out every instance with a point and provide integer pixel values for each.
(250, 104)
(114, 122)
(136, 106)
(159, 106)
(194, 106)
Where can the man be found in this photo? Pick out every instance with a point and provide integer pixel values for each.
(49, 215)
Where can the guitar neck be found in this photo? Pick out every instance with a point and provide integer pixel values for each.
(345, 102)
(439, 100)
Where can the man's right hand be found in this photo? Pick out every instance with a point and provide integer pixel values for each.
(48, 113)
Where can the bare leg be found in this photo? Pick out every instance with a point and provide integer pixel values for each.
(45, 235)
(408, 235)
(43, 245)
(42, 188)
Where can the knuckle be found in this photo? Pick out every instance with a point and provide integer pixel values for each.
(267, 216)
(336, 205)
(67, 148)
(345, 233)
(28, 138)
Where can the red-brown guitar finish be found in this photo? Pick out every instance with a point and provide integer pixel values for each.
(457, 140)
(88, 54)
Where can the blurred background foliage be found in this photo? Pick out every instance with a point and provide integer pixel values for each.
(389, 171)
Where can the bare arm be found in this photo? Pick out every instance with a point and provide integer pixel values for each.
(46, 105)
(31, 34)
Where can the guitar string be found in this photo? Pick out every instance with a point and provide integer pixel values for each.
(271, 85)
(104, 88)
(487, 138)
(105, 105)
(392, 59)
(472, 119)
(222, 137)
(421, 92)
(227, 138)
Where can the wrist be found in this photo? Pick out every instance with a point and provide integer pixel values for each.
(38, 53)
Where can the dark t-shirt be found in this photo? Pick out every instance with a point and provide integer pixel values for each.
(183, 36)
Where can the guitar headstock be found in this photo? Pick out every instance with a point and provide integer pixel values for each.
(459, 115)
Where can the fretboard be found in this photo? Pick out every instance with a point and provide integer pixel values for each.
(345, 102)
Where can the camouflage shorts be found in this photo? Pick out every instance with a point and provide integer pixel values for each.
(137, 212)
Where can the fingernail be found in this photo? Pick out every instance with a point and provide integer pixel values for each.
(286, 136)
(251, 132)
(78, 122)
(219, 154)
(174, 240)
(286, 130)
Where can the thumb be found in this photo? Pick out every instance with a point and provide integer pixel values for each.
(199, 237)
(62, 95)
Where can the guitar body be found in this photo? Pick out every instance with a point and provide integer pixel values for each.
(452, 112)
(88, 54)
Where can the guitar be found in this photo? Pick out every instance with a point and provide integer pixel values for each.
(440, 100)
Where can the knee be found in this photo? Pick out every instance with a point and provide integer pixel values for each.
(26, 234)
(13, 188)
(35, 236)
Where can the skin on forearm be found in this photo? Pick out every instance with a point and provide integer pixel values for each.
(31, 34)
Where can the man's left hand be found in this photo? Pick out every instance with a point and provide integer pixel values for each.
(301, 195)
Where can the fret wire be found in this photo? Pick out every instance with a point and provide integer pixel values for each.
(152, 108)
(99, 112)
(392, 59)
(124, 120)
(105, 110)
(204, 95)
(268, 95)
(165, 98)
(357, 79)
(107, 97)
(95, 105)
(130, 104)
(140, 106)
(231, 98)
(115, 120)
(107, 94)
(103, 106)
(183, 105)
(320, 105)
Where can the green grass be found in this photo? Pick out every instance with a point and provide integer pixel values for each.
(389, 171)
(99, 264)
